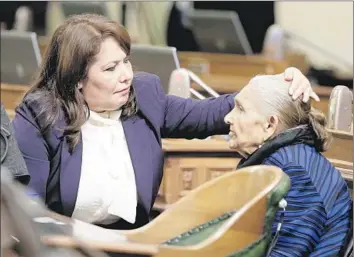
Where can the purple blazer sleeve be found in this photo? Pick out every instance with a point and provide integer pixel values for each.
(33, 148)
(191, 118)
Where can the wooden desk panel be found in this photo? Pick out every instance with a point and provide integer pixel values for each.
(11, 95)
(341, 147)
(190, 163)
(230, 64)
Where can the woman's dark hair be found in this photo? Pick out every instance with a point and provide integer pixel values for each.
(66, 62)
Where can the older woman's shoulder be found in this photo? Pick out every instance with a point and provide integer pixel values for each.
(297, 153)
(301, 157)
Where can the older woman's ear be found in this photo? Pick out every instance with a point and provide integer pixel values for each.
(300, 85)
(271, 127)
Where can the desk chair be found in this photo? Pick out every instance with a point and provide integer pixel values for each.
(231, 215)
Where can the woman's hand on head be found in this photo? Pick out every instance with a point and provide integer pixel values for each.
(300, 85)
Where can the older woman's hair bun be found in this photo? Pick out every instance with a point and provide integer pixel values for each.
(318, 122)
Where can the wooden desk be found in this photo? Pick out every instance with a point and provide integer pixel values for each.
(341, 147)
(340, 154)
(190, 163)
(11, 95)
(230, 64)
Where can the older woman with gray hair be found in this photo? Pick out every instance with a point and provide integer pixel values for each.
(268, 127)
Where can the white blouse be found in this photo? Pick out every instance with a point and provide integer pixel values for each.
(107, 189)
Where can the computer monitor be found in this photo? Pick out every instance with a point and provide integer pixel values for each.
(219, 31)
(20, 56)
(78, 7)
(158, 60)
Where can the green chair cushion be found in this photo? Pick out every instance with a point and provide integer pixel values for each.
(201, 232)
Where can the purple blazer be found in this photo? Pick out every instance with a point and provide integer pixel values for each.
(159, 116)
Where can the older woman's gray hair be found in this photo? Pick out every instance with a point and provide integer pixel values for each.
(272, 92)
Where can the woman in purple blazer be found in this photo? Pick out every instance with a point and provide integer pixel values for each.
(90, 131)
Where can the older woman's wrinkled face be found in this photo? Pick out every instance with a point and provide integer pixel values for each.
(248, 127)
(109, 78)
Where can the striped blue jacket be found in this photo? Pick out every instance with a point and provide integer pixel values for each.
(317, 217)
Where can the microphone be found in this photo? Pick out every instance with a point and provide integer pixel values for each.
(180, 84)
(340, 109)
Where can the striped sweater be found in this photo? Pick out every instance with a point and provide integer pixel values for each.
(317, 217)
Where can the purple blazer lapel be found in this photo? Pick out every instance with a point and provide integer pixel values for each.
(139, 149)
(70, 173)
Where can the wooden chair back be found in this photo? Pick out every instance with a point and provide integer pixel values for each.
(340, 125)
(340, 153)
(226, 215)
(340, 114)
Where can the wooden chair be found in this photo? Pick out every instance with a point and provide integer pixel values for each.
(340, 114)
(227, 216)
(232, 214)
(340, 124)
